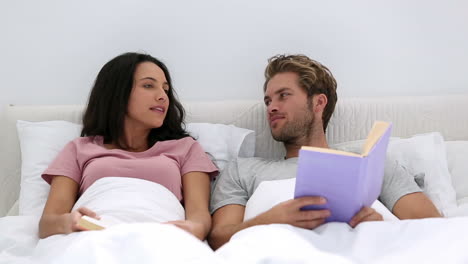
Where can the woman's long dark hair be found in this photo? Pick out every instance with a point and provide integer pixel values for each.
(108, 103)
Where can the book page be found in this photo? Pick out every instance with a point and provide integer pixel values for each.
(89, 223)
(378, 129)
(332, 151)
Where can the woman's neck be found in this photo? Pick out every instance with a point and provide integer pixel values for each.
(135, 137)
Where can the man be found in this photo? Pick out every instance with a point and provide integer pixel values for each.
(300, 96)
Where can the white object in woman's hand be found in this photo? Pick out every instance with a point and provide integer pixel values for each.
(73, 218)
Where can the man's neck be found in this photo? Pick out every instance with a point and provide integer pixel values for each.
(318, 140)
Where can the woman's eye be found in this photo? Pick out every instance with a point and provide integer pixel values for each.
(147, 85)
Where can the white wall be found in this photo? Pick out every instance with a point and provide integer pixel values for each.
(51, 51)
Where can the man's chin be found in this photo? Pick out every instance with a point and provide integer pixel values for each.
(276, 136)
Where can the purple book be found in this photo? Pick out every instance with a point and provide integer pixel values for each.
(348, 181)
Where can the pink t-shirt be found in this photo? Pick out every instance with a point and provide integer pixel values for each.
(85, 160)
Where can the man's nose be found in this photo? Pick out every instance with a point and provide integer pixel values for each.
(272, 108)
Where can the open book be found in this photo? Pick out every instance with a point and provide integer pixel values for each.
(348, 181)
(89, 223)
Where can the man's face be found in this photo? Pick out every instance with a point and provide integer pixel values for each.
(289, 111)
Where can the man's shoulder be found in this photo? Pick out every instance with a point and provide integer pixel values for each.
(241, 166)
(256, 162)
(259, 160)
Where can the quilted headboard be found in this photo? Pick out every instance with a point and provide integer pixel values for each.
(352, 120)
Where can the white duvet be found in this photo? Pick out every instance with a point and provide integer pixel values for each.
(411, 241)
(134, 208)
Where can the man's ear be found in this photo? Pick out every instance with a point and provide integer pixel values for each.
(320, 102)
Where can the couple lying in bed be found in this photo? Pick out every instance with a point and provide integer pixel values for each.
(133, 127)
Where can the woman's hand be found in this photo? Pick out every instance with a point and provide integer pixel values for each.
(72, 218)
(194, 228)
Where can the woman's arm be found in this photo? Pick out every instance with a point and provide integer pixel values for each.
(57, 217)
(196, 189)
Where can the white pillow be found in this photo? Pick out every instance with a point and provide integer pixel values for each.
(356, 145)
(457, 159)
(423, 153)
(40, 142)
(223, 142)
(271, 193)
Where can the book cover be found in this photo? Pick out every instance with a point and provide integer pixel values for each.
(348, 181)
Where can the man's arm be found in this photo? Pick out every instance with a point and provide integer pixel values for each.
(228, 219)
(415, 205)
(402, 195)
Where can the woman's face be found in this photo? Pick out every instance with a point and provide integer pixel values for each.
(148, 102)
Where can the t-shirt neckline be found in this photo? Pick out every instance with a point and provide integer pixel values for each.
(99, 140)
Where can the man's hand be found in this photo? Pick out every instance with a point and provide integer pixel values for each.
(366, 214)
(228, 219)
(289, 212)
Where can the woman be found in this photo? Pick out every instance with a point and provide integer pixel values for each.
(132, 127)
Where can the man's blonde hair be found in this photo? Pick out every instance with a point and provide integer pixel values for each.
(314, 78)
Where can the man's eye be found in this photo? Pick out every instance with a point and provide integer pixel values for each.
(284, 94)
(267, 103)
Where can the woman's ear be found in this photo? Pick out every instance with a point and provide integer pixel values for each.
(320, 102)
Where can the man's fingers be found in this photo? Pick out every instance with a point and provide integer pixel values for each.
(373, 217)
(365, 211)
(308, 215)
(366, 214)
(309, 200)
(309, 224)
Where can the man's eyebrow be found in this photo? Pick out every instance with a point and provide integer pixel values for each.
(266, 97)
(282, 90)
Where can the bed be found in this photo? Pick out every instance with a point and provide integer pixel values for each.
(428, 240)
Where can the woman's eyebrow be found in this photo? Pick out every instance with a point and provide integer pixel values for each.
(148, 78)
(153, 79)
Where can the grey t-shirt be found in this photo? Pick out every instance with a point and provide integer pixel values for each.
(239, 180)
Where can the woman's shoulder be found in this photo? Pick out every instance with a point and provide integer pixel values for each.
(181, 141)
(181, 144)
(85, 141)
(187, 139)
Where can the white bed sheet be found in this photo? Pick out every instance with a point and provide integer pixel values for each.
(442, 240)
(439, 240)
(18, 238)
(411, 241)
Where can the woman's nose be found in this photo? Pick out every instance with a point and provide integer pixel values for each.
(161, 95)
